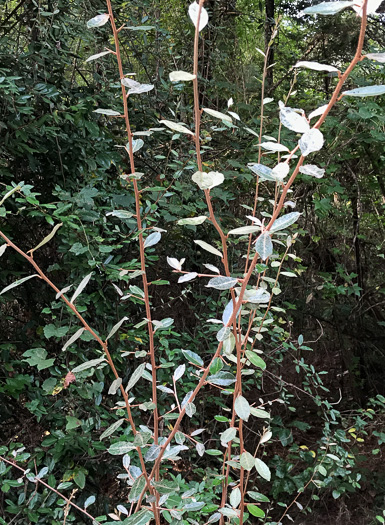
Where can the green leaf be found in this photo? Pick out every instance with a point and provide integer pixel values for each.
(98, 21)
(235, 497)
(228, 435)
(209, 248)
(139, 518)
(367, 91)
(221, 379)
(242, 408)
(120, 448)
(137, 489)
(115, 385)
(264, 246)
(257, 496)
(111, 429)
(116, 327)
(255, 511)
(46, 239)
(255, 359)
(262, 469)
(328, 8)
(192, 221)
(166, 487)
(80, 479)
(72, 422)
(247, 461)
(258, 412)
(141, 439)
(193, 357)
(17, 283)
(137, 374)
(73, 338)
(37, 357)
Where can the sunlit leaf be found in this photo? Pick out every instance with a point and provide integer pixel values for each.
(328, 8)
(317, 112)
(136, 88)
(315, 66)
(193, 12)
(174, 263)
(292, 120)
(137, 144)
(367, 91)
(179, 371)
(222, 283)
(177, 76)
(109, 112)
(311, 141)
(98, 21)
(244, 230)
(3, 247)
(187, 277)
(192, 221)
(312, 170)
(255, 359)
(378, 57)
(273, 146)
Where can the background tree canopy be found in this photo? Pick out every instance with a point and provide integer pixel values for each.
(323, 342)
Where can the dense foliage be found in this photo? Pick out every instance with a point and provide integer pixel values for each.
(310, 405)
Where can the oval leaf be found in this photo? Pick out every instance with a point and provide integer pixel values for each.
(222, 283)
(111, 429)
(312, 170)
(328, 8)
(193, 12)
(177, 76)
(206, 181)
(367, 91)
(311, 141)
(264, 246)
(217, 114)
(152, 239)
(176, 127)
(209, 248)
(315, 66)
(285, 221)
(98, 21)
(247, 461)
(242, 408)
(262, 469)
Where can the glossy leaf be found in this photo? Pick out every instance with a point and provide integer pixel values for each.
(292, 120)
(255, 359)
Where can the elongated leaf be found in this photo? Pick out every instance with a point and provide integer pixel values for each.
(139, 518)
(206, 181)
(255, 359)
(255, 511)
(315, 66)
(312, 170)
(273, 146)
(259, 296)
(3, 247)
(111, 429)
(115, 385)
(244, 230)
(222, 283)
(152, 239)
(98, 55)
(176, 127)
(63, 291)
(285, 221)
(89, 501)
(88, 364)
(174, 263)
(136, 489)
(262, 469)
(223, 334)
(209, 248)
(81, 287)
(247, 461)
(378, 57)
(228, 435)
(264, 172)
(221, 379)
(120, 214)
(328, 8)
(73, 338)
(211, 268)
(228, 312)
(311, 141)
(137, 374)
(48, 238)
(217, 114)
(116, 327)
(177, 76)
(17, 283)
(180, 370)
(165, 389)
(264, 246)
(187, 277)
(140, 28)
(367, 91)
(242, 408)
(109, 112)
(193, 357)
(192, 221)
(98, 21)
(200, 448)
(120, 448)
(152, 453)
(193, 12)
(266, 437)
(258, 412)
(317, 112)
(141, 439)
